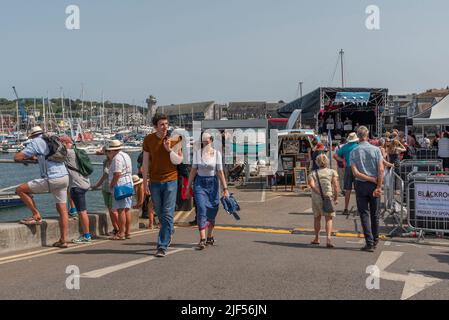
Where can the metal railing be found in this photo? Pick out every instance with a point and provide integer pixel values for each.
(427, 202)
(394, 203)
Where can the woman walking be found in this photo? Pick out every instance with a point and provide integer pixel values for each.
(206, 170)
(120, 175)
(324, 185)
(107, 195)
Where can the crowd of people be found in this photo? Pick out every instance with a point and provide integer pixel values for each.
(361, 163)
(154, 188)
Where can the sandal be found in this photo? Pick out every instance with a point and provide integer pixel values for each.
(60, 244)
(117, 238)
(31, 221)
(127, 236)
(315, 242)
(330, 246)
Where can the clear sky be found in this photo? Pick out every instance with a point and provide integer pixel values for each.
(224, 50)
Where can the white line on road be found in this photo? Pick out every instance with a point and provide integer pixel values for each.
(387, 243)
(95, 274)
(413, 283)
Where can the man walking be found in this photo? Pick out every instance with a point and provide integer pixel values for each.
(343, 155)
(160, 160)
(368, 168)
(54, 179)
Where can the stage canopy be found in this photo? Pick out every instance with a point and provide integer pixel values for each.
(438, 114)
(335, 99)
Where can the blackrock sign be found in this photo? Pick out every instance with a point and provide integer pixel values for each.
(432, 200)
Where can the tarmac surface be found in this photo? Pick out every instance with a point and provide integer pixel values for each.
(258, 257)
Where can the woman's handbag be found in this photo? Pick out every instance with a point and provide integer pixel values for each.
(328, 206)
(125, 190)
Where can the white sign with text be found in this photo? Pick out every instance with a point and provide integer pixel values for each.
(431, 200)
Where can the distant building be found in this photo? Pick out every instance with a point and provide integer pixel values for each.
(183, 115)
(253, 110)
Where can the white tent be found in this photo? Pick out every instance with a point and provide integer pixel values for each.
(439, 114)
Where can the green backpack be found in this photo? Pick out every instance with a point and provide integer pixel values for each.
(85, 166)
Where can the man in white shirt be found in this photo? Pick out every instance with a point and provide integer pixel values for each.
(443, 150)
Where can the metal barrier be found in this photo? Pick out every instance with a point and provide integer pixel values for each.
(394, 203)
(409, 166)
(426, 154)
(427, 202)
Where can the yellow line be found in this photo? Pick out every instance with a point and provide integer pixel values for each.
(259, 230)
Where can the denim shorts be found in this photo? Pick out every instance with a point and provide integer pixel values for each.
(78, 196)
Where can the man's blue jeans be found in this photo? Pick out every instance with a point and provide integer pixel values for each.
(163, 195)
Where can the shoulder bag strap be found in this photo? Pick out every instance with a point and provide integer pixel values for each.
(319, 184)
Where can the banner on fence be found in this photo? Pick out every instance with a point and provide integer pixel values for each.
(431, 200)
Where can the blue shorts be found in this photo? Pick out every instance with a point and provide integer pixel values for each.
(78, 196)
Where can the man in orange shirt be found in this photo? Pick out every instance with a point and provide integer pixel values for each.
(160, 178)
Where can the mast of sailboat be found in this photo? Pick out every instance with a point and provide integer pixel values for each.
(102, 111)
(82, 104)
(43, 114)
(91, 114)
(342, 68)
(17, 108)
(62, 105)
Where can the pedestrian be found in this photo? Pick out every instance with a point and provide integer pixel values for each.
(120, 178)
(425, 142)
(78, 187)
(344, 154)
(148, 206)
(160, 177)
(368, 168)
(54, 179)
(435, 141)
(443, 150)
(394, 151)
(340, 164)
(103, 182)
(207, 170)
(138, 192)
(319, 149)
(324, 184)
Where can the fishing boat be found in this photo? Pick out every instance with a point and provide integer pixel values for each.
(10, 200)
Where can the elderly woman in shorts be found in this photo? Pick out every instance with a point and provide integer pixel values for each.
(328, 178)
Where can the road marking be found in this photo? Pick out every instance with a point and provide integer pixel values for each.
(413, 283)
(259, 230)
(95, 274)
(46, 252)
(263, 196)
(361, 241)
(387, 243)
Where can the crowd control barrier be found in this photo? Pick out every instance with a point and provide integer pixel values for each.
(428, 202)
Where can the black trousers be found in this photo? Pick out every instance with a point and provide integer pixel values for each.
(368, 207)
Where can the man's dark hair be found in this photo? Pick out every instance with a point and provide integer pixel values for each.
(158, 117)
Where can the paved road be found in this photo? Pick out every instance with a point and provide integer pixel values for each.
(243, 265)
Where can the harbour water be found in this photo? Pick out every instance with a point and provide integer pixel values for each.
(14, 174)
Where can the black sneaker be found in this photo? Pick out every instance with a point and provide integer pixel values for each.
(345, 212)
(376, 242)
(201, 245)
(367, 248)
(210, 241)
(160, 253)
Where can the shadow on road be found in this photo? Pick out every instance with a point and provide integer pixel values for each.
(304, 245)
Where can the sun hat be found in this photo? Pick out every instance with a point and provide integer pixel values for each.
(114, 145)
(137, 180)
(35, 131)
(206, 136)
(352, 137)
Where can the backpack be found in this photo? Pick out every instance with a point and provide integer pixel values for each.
(85, 167)
(58, 152)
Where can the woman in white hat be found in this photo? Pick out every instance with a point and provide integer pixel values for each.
(120, 174)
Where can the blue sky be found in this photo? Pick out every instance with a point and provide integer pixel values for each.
(224, 50)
